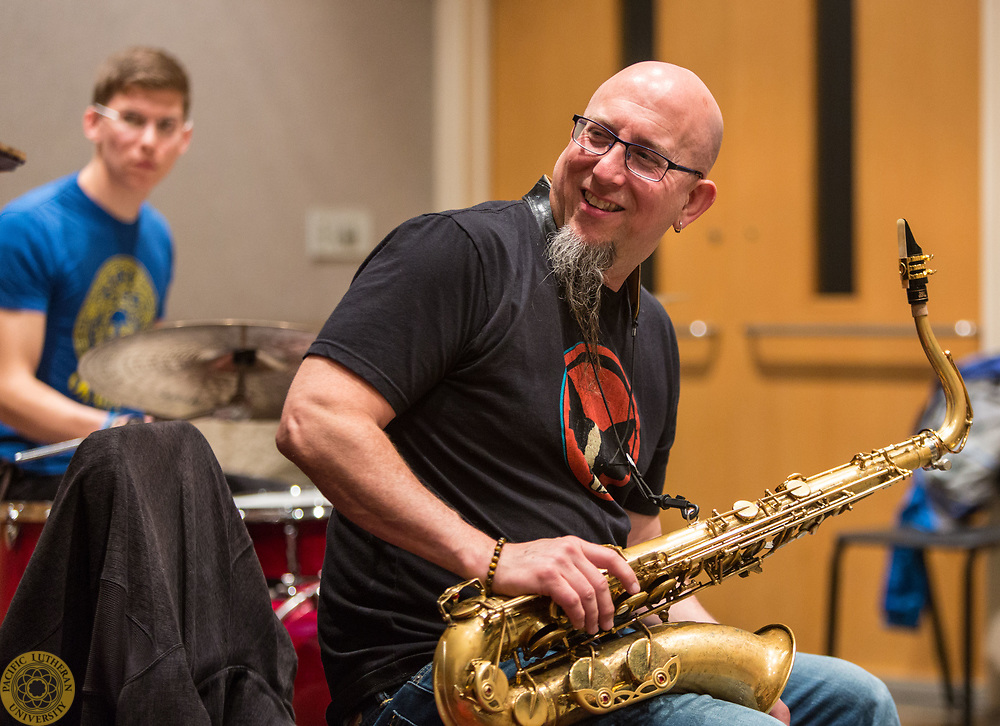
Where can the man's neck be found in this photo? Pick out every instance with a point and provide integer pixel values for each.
(122, 204)
(617, 274)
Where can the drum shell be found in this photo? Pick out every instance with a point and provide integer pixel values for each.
(312, 695)
(288, 529)
(19, 533)
(23, 522)
(272, 540)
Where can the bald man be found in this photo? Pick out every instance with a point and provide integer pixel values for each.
(495, 397)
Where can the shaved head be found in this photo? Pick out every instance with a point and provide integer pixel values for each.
(679, 97)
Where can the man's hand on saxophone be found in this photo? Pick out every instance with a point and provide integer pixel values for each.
(571, 571)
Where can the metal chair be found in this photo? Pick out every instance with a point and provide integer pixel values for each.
(970, 541)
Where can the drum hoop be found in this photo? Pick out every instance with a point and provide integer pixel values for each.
(275, 507)
(277, 515)
(25, 511)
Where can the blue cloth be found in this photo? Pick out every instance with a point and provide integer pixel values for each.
(94, 277)
(931, 509)
(907, 581)
(821, 691)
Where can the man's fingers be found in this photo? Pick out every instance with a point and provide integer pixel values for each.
(611, 560)
(571, 572)
(576, 596)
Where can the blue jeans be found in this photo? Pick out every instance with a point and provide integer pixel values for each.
(821, 691)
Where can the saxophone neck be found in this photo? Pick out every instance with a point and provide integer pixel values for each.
(954, 430)
(914, 273)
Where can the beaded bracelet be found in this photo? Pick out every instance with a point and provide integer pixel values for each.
(488, 585)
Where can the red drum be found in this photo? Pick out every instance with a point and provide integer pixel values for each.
(289, 534)
(298, 614)
(288, 529)
(21, 526)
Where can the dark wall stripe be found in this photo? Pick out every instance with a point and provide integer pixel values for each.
(637, 45)
(637, 31)
(835, 145)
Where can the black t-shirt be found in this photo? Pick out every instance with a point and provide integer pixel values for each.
(457, 321)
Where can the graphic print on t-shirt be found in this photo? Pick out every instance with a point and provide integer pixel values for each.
(594, 442)
(121, 301)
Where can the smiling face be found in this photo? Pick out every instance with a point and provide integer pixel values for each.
(660, 106)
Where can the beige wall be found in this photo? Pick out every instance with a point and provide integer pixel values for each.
(297, 104)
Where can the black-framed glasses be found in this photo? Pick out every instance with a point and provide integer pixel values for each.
(640, 160)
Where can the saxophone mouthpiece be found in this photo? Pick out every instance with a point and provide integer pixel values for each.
(912, 265)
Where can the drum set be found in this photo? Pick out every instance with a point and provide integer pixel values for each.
(227, 370)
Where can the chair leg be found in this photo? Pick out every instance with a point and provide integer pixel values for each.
(831, 606)
(967, 644)
(939, 638)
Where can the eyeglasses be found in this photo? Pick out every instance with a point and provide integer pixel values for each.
(640, 160)
(134, 123)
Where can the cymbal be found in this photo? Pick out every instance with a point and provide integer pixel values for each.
(10, 158)
(229, 369)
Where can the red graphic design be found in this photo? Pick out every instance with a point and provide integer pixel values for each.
(600, 423)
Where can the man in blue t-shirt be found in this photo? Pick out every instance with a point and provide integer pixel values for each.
(84, 259)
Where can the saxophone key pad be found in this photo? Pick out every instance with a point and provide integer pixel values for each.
(533, 708)
(633, 602)
(796, 486)
(746, 510)
(591, 683)
(490, 686)
(659, 591)
(648, 661)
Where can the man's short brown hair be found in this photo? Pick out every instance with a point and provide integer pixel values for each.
(141, 67)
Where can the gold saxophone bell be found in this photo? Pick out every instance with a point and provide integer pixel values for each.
(560, 675)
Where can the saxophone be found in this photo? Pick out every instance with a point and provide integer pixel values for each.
(555, 674)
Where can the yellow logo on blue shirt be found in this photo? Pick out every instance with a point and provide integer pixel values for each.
(121, 301)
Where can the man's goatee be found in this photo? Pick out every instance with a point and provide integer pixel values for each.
(579, 267)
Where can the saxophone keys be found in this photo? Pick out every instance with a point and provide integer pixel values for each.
(796, 486)
(648, 662)
(800, 491)
(746, 511)
(542, 641)
(489, 684)
(466, 609)
(782, 539)
(660, 589)
(631, 603)
(591, 683)
(533, 708)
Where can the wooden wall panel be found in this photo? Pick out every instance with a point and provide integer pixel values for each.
(548, 60)
(754, 409)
